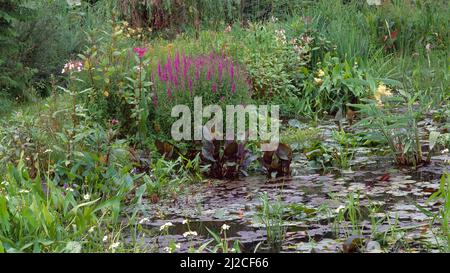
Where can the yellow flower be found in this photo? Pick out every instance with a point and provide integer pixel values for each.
(320, 73)
(170, 47)
(318, 81)
(87, 64)
(106, 93)
(382, 91)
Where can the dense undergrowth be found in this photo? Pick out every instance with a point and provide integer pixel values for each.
(77, 149)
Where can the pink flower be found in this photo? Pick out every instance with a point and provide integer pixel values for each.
(76, 66)
(214, 87)
(114, 122)
(140, 51)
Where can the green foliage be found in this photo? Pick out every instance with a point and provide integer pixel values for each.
(335, 84)
(168, 178)
(40, 216)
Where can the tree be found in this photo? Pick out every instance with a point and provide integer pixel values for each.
(14, 76)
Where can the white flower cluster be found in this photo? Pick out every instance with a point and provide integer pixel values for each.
(72, 66)
(280, 35)
(165, 226)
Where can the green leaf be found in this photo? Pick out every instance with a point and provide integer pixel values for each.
(434, 136)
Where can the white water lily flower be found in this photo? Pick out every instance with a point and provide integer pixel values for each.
(165, 226)
(190, 234)
(225, 227)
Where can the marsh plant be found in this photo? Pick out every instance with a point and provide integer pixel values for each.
(396, 126)
(442, 216)
(222, 243)
(271, 216)
(350, 212)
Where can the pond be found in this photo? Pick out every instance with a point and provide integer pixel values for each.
(387, 203)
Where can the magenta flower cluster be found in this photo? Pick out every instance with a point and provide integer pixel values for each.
(181, 73)
(140, 51)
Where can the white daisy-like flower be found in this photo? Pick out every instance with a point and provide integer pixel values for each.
(86, 197)
(225, 227)
(339, 208)
(114, 246)
(165, 226)
(190, 234)
(105, 238)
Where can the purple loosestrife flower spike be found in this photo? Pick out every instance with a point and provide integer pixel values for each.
(169, 92)
(233, 87)
(190, 87)
(220, 70)
(160, 72)
(232, 72)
